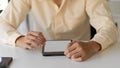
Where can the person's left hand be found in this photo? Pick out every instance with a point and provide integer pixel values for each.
(79, 51)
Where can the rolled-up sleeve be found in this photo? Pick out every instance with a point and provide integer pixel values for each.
(11, 19)
(101, 19)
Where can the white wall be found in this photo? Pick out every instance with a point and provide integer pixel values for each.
(3, 4)
(115, 8)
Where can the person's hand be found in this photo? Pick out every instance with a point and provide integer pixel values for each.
(79, 51)
(31, 41)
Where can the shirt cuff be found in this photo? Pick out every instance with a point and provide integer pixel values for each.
(13, 38)
(102, 41)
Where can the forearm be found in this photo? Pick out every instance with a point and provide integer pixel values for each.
(8, 33)
(11, 19)
(101, 19)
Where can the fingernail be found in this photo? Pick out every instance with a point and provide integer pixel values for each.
(65, 52)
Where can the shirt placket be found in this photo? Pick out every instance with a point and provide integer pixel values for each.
(58, 19)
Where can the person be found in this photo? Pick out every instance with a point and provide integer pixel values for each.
(61, 19)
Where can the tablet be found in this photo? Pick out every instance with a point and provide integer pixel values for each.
(5, 62)
(55, 47)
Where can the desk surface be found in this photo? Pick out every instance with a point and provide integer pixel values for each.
(109, 58)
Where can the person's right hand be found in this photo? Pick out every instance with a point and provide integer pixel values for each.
(31, 41)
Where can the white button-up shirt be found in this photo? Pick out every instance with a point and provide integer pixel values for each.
(69, 21)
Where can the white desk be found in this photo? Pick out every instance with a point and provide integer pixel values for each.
(110, 58)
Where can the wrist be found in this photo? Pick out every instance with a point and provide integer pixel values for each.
(19, 40)
(96, 46)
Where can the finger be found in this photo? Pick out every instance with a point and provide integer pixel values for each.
(32, 37)
(35, 33)
(42, 41)
(35, 39)
(28, 47)
(32, 43)
(80, 55)
(71, 48)
(66, 50)
(38, 34)
(38, 42)
(72, 53)
(70, 44)
(42, 36)
(77, 57)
